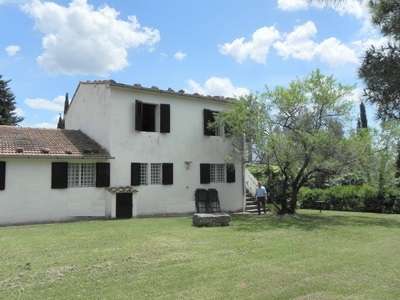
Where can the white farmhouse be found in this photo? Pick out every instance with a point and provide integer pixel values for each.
(126, 151)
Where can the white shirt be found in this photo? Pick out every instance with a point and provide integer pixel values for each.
(261, 191)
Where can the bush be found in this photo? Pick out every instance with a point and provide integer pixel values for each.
(362, 198)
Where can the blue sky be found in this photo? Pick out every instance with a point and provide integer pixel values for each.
(211, 47)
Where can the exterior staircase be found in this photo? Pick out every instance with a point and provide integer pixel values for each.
(251, 203)
(250, 184)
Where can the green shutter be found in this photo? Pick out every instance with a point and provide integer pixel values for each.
(165, 119)
(59, 175)
(135, 174)
(230, 173)
(205, 173)
(2, 175)
(167, 173)
(208, 117)
(138, 115)
(102, 174)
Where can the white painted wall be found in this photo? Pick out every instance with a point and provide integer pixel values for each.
(28, 196)
(186, 142)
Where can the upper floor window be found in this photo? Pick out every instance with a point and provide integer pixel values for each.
(209, 117)
(152, 117)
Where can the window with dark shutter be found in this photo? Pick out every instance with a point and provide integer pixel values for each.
(167, 173)
(59, 175)
(208, 118)
(230, 173)
(165, 119)
(138, 115)
(135, 174)
(2, 175)
(204, 173)
(102, 174)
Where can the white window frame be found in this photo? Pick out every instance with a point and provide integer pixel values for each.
(151, 174)
(156, 174)
(81, 175)
(217, 173)
(143, 174)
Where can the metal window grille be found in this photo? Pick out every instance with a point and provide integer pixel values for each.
(81, 175)
(217, 173)
(143, 174)
(155, 174)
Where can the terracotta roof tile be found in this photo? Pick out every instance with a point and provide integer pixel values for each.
(39, 142)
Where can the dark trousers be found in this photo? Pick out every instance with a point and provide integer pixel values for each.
(261, 200)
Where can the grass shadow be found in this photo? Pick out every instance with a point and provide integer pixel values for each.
(311, 220)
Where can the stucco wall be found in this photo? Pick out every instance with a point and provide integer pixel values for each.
(185, 143)
(28, 196)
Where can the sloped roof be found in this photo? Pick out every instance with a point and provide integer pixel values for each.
(48, 143)
(155, 89)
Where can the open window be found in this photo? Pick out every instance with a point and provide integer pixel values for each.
(152, 117)
(209, 117)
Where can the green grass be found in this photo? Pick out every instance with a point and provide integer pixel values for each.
(328, 255)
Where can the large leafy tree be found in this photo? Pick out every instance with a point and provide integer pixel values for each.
(7, 105)
(298, 128)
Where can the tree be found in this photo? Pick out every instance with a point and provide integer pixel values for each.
(61, 119)
(362, 121)
(8, 115)
(379, 68)
(298, 128)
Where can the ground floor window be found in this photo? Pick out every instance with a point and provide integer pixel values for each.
(214, 173)
(217, 172)
(151, 173)
(81, 175)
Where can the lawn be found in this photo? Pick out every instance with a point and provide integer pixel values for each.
(328, 255)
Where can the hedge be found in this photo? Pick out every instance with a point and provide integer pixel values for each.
(362, 198)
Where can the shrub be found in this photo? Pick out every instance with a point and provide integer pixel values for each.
(363, 198)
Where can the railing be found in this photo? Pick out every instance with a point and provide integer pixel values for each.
(250, 182)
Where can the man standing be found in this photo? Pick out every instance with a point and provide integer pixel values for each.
(261, 194)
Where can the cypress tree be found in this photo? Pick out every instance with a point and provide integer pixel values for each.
(7, 105)
(363, 116)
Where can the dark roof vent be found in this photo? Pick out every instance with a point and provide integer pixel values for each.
(45, 150)
(68, 151)
(19, 150)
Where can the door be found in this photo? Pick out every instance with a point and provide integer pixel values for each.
(123, 206)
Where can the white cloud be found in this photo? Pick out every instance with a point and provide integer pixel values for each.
(56, 104)
(180, 55)
(19, 112)
(217, 86)
(46, 125)
(356, 8)
(292, 5)
(257, 49)
(79, 39)
(12, 50)
(298, 44)
(335, 54)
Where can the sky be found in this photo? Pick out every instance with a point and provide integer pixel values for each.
(211, 47)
